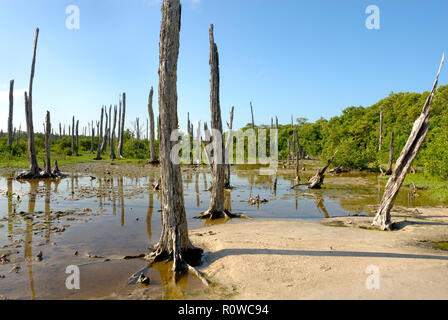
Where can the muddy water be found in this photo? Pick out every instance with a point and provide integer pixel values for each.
(94, 222)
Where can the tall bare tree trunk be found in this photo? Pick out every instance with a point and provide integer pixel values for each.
(252, 115)
(100, 135)
(216, 159)
(47, 171)
(10, 116)
(404, 161)
(106, 132)
(152, 149)
(380, 143)
(112, 142)
(120, 145)
(77, 139)
(110, 125)
(174, 242)
(391, 155)
(227, 148)
(73, 135)
(92, 142)
(34, 168)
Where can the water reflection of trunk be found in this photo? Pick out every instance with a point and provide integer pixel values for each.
(149, 213)
(56, 185)
(28, 252)
(47, 209)
(100, 190)
(10, 211)
(171, 290)
(113, 197)
(72, 186)
(297, 199)
(205, 181)
(319, 201)
(228, 201)
(121, 198)
(197, 190)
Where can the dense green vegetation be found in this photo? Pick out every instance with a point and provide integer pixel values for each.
(355, 133)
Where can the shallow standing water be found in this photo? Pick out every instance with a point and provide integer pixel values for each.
(109, 218)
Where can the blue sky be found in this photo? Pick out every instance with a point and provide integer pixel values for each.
(306, 58)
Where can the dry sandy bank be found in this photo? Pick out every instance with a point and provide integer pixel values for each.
(328, 259)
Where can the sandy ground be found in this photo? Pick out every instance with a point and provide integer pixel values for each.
(329, 259)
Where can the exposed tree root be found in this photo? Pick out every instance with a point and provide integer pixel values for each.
(182, 259)
(213, 215)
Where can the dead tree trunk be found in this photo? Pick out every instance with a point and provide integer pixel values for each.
(380, 143)
(297, 178)
(47, 171)
(152, 149)
(174, 243)
(104, 140)
(391, 155)
(120, 146)
(270, 153)
(252, 114)
(112, 142)
(100, 135)
(216, 209)
(92, 141)
(317, 181)
(404, 161)
(11, 107)
(77, 138)
(137, 130)
(34, 168)
(226, 155)
(73, 135)
(109, 133)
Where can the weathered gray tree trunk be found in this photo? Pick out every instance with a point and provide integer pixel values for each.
(112, 136)
(120, 145)
(216, 159)
(77, 138)
(106, 131)
(404, 161)
(100, 135)
(174, 242)
(109, 133)
(252, 115)
(297, 178)
(380, 143)
(34, 168)
(92, 142)
(73, 135)
(226, 155)
(47, 171)
(137, 130)
(10, 116)
(391, 155)
(317, 181)
(119, 124)
(152, 149)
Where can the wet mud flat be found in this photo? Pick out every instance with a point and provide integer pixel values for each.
(103, 212)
